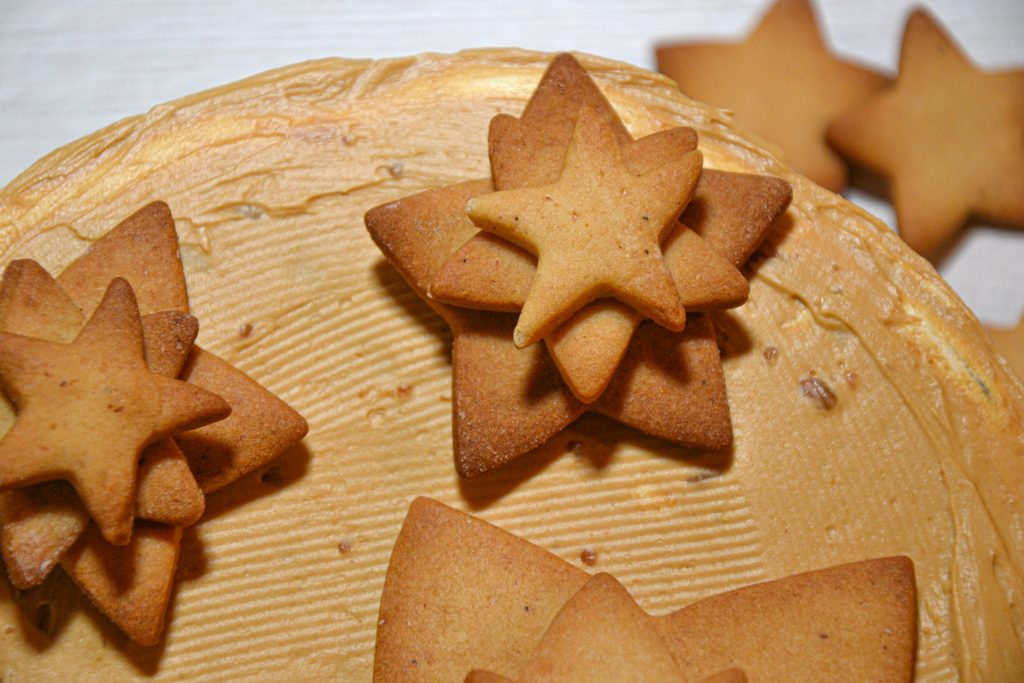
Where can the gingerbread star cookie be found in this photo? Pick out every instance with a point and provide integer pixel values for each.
(531, 612)
(601, 634)
(949, 136)
(597, 232)
(87, 409)
(489, 273)
(39, 523)
(506, 401)
(781, 82)
(44, 523)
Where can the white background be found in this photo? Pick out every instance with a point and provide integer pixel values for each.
(68, 68)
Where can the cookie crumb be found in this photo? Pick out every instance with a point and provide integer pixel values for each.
(245, 330)
(852, 379)
(345, 547)
(770, 354)
(588, 557)
(816, 390)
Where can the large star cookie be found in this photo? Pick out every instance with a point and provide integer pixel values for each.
(39, 523)
(451, 574)
(506, 401)
(781, 82)
(729, 211)
(949, 135)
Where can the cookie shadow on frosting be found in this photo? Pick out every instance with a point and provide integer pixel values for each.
(415, 308)
(595, 443)
(280, 473)
(46, 610)
(780, 229)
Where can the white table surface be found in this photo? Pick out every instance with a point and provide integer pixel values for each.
(68, 68)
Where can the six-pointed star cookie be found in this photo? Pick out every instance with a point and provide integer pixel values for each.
(87, 409)
(782, 82)
(949, 135)
(597, 232)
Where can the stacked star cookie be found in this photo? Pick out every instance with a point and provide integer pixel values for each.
(587, 233)
(118, 425)
(536, 618)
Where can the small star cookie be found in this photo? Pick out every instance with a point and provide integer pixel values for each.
(87, 409)
(781, 82)
(596, 232)
(949, 136)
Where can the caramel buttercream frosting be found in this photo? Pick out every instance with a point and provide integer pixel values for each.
(870, 416)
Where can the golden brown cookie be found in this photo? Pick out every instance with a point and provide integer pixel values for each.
(148, 238)
(781, 82)
(597, 232)
(506, 401)
(131, 584)
(851, 622)
(87, 409)
(452, 574)
(949, 136)
(601, 634)
(447, 565)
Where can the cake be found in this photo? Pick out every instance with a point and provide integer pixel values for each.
(870, 416)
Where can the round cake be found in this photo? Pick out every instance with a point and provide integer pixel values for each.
(870, 415)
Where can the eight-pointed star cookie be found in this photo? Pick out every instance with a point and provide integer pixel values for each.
(950, 137)
(597, 232)
(87, 409)
(781, 82)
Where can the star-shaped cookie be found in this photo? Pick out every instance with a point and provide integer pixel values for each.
(489, 273)
(451, 573)
(88, 408)
(597, 231)
(781, 82)
(949, 135)
(39, 523)
(508, 402)
(144, 250)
